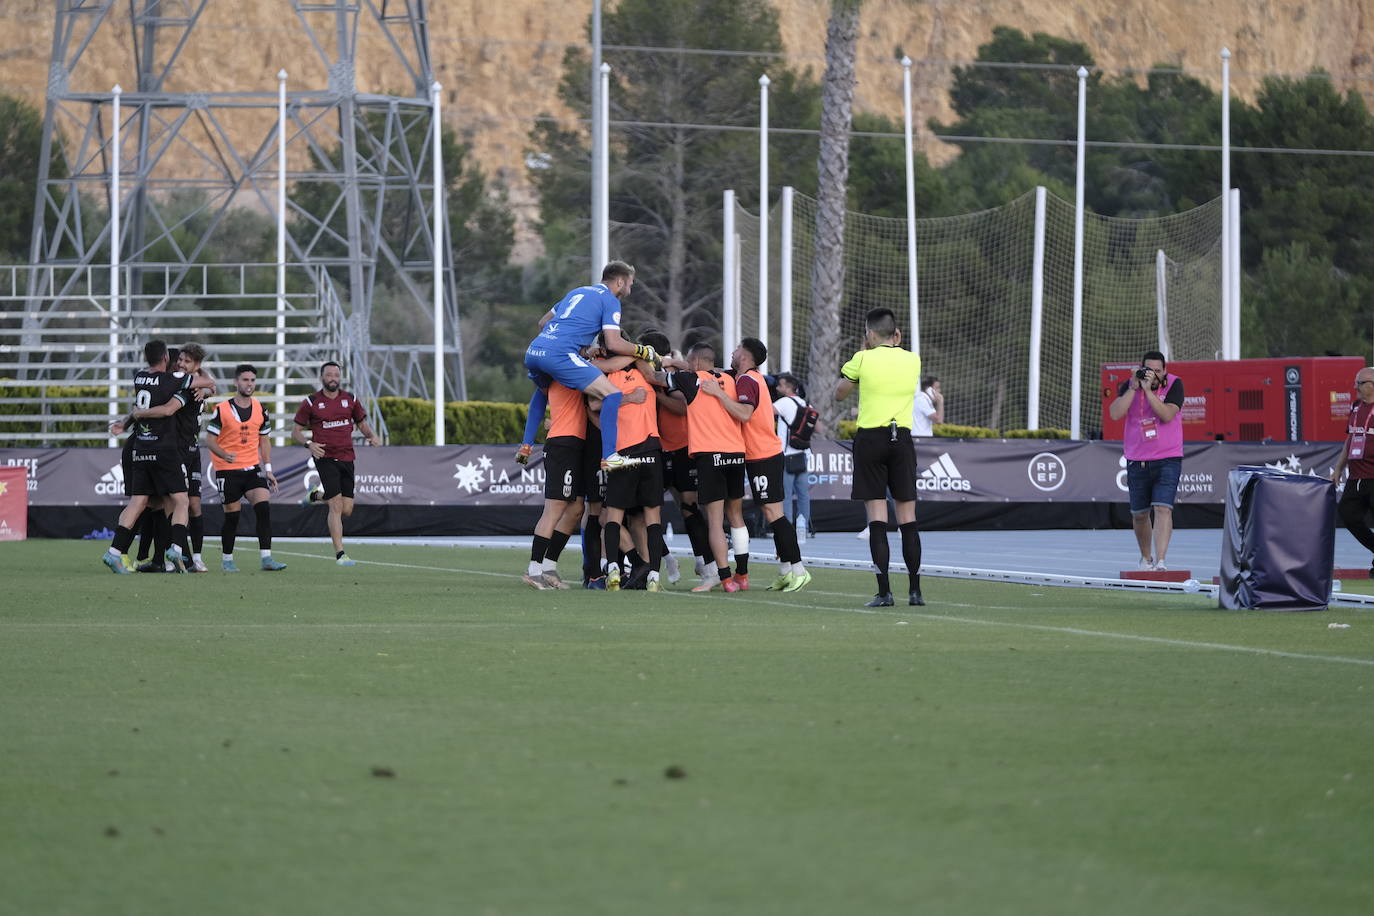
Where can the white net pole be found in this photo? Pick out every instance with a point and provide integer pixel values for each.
(438, 165)
(785, 282)
(1162, 301)
(913, 292)
(114, 260)
(1076, 389)
(1037, 321)
(280, 352)
(727, 284)
(1234, 270)
(1226, 228)
(763, 213)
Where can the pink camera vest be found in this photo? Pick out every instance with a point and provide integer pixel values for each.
(1168, 439)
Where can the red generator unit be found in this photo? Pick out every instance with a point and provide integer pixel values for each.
(1299, 399)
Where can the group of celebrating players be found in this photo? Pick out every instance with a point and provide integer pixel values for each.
(629, 420)
(683, 425)
(162, 463)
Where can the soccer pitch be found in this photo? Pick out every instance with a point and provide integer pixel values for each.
(424, 734)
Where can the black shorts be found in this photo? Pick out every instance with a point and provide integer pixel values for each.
(563, 469)
(882, 463)
(680, 471)
(336, 477)
(190, 463)
(234, 484)
(155, 474)
(593, 478)
(719, 476)
(765, 479)
(638, 486)
(126, 465)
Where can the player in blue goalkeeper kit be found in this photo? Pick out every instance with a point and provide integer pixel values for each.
(555, 355)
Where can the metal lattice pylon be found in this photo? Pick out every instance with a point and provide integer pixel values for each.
(362, 195)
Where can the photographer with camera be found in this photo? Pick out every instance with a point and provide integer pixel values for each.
(1153, 439)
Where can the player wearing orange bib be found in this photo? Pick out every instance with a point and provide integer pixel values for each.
(241, 454)
(641, 485)
(753, 407)
(564, 485)
(716, 442)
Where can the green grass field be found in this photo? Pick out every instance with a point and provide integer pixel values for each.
(423, 734)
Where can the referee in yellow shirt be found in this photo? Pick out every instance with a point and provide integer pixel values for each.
(887, 377)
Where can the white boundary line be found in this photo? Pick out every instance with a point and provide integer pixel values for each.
(1351, 600)
(936, 618)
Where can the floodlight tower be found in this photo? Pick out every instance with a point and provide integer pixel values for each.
(362, 194)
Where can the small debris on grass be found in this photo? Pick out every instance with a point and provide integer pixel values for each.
(227, 743)
(112, 831)
(384, 772)
(675, 772)
(620, 781)
(159, 831)
(112, 773)
(134, 729)
(1338, 626)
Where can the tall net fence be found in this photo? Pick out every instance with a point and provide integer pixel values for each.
(975, 280)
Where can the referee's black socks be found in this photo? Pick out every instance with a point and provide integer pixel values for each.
(911, 552)
(881, 553)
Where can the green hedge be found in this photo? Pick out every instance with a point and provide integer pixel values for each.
(10, 407)
(410, 421)
(951, 431)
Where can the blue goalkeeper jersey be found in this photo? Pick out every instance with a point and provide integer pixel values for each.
(577, 319)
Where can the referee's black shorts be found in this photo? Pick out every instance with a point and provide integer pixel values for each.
(883, 463)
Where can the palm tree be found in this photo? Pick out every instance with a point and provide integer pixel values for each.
(827, 270)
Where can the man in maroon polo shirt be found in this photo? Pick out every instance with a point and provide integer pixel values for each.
(324, 424)
(1358, 455)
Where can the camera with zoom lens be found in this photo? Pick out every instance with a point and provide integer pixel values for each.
(1141, 373)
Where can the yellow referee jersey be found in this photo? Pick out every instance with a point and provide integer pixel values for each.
(888, 378)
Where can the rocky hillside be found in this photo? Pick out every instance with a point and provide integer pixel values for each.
(500, 62)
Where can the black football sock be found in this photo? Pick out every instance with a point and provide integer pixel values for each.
(635, 557)
(146, 526)
(881, 554)
(695, 523)
(180, 541)
(911, 552)
(123, 537)
(785, 540)
(610, 534)
(165, 537)
(742, 564)
(228, 532)
(556, 545)
(591, 547)
(657, 546)
(539, 548)
(263, 513)
(196, 525)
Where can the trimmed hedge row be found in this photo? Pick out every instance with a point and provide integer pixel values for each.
(410, 421)
(953, 431)
(10, 407)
